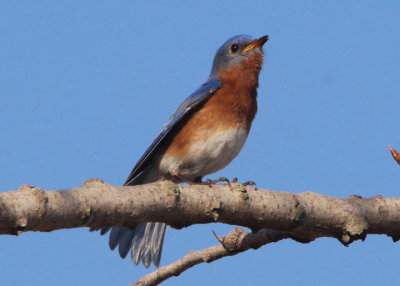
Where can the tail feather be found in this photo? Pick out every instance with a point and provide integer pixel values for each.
(145, 242)
(157, 242)
(104, 230)
(115, 236)
(125, 242)
(137, 242)
(145, 247)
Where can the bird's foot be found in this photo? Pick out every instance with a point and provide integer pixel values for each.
(210, 183)
(248, 183)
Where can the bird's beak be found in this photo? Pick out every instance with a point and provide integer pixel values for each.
(256, 44)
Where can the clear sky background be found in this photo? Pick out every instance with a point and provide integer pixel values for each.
(85, 86)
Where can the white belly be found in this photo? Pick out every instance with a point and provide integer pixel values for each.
(207, 156)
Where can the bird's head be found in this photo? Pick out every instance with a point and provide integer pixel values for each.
(238, 51)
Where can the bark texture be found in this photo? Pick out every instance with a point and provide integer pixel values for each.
(304, 216)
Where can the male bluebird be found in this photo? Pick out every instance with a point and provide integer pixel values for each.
(205, 133)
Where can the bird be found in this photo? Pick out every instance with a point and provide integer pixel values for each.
(204, 134)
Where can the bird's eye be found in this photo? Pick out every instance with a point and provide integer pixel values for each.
(234, 48)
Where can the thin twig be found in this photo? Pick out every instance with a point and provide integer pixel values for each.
(395, 154)
(235, 242)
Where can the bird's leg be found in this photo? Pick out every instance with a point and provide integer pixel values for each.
(179, 178)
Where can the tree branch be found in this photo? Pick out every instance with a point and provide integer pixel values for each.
(305, 216)
(234, 243)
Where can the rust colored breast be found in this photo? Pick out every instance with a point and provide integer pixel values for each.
(233, 106)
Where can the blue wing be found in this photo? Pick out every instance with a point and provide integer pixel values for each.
(203, 93)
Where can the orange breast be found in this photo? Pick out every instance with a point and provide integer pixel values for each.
(234, 105)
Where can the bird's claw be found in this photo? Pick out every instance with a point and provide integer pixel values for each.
(250, 183)
(210, 183)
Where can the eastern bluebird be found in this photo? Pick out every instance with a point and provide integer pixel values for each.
(205, 134)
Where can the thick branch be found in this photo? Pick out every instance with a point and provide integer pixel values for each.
(305, 216)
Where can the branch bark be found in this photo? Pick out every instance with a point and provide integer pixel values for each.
(305, 216)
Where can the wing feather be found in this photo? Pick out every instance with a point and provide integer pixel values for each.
(204, 92)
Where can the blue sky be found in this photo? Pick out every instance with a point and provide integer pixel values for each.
(86, 86)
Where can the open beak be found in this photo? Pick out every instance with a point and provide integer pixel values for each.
(256, 44)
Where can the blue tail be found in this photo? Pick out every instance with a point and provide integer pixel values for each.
(145, 241)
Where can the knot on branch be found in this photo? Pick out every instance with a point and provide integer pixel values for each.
(299, 211)
(93, 181)
(21, 224)
(36, 192)
(174, 190)
(355, 229)
(356, 225)
(216, 209)
(242, 191)
(41, 197)
(233, 241)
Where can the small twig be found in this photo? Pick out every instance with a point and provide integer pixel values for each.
(395, 154)
(236, 241)
(219, 238)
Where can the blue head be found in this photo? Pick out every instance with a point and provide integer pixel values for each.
(234, 51)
